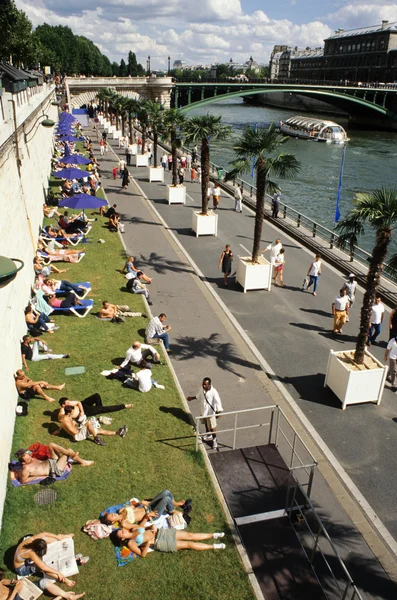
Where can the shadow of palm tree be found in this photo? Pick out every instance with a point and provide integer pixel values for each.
(161, 264)
(189, 347)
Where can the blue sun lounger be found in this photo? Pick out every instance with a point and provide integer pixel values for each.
(80, 311)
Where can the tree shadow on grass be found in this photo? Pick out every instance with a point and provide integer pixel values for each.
(178, 413)
(189, 347)
(160, 264)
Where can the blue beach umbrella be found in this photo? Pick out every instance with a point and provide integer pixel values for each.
(70, 138)
(71, 173)
(74, 159)
(82, 201)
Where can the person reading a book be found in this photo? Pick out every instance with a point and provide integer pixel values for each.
(28, 560)
(9, 587)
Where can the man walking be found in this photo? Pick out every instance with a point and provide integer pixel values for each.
(274, 249)
(340, 307)
(211, 405)
(391, 354)
(350, 286)
(238, 198)
(275, 205)
(378, 311)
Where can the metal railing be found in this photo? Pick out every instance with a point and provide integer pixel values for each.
(280, 432)
(300, 513)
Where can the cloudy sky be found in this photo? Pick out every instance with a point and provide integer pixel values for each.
(205, 31)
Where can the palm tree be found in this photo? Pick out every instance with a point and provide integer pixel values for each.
(130, 110)
(104, 95)
(377, 209)
(142, 114)
(203, 130)
(172, 126)
(156, 119)
(258, 149)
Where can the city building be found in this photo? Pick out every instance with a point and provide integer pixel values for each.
(178, 64)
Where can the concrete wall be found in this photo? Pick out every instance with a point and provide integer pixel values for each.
(21, 201)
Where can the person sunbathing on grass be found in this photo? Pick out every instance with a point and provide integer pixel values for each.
(51, 286)
(9, 588)
(41, 269)
(28, 560)
(43, 247)
(55, 465)
(138, 540)
(81, 431)
(27, 388)
(117, 311)
(70, 300)
(89, 407)
(140, 511)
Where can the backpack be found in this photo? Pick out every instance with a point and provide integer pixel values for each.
(97, 531)
(22, 409)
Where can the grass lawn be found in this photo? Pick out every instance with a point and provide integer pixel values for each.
(157, 453)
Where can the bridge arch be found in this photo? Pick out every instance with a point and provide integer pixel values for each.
(339, 99)
(89, 97)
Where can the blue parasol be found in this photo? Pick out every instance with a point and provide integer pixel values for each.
(82, 201)
(70, 138)
(71, 173)
(74, 159)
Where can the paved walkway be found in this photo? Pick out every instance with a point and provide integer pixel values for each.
(289, 328)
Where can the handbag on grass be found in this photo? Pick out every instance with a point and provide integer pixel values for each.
(176, 521)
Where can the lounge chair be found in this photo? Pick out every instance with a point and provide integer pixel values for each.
(50, 258)
(85, 284)
(80, 311)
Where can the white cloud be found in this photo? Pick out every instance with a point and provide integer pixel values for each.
(355, 15)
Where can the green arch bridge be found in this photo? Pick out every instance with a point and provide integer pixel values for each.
(370, 106)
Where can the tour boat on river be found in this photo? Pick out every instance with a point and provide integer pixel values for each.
(315, 130)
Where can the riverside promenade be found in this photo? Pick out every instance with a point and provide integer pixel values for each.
(266, 348)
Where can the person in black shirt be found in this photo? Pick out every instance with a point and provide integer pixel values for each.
(30, 348)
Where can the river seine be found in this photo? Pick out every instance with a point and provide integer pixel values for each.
(370, 162)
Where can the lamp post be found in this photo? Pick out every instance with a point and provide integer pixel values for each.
(148, 65)
(169, 64)
(47, 122)
(8, 269)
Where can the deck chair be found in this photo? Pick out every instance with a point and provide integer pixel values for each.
(80, 311)
(50, 258)
(76, 239)
(85, 284)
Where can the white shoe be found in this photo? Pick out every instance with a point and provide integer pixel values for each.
(206, 438)
(216, 536)
(219, 546)
(214, 445)
(158, 386)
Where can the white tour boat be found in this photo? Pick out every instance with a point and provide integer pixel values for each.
(315, 130)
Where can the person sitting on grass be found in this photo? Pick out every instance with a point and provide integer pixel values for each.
(138, 540)
(28, 560)
(143, 380)
(36, 322)
(113, 223)
(27, 388)
(137, 353)
(140, 511)
(54, 465)
(89, 407)
(136, 286)
(107, 211)
(117, 311)
(30, 350)
(129, 267)
(81, 431)
(70, 300)
(50, 211)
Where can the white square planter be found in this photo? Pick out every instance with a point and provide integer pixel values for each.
(134, 149)
(205, 224)
(355, 387)
(156, 174)
(116, 134)
(176, 195)
(142, 160)
(254, 277)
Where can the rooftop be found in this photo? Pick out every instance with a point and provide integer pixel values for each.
(384, 26)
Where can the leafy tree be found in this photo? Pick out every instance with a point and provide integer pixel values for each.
(115, 69)
(174, 121)
(156, 122)
(377, 209)
(132, 65)
(260, 147)
(123, 69)
(203, 130)
(17, 42)
(223, 71)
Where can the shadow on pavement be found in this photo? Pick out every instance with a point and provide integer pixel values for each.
(311, 389)
(161, 264)
(224, 353)
(316, 311)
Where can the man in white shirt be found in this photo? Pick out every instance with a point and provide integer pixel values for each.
(211, 405)
(350, 286)
(391, 354)
(378, 310)
(122, 164)
(216, 196)
(274, 248)
(139, 352)
(143, 380)
(314, 273)
(238, 198)
(155, 330)
(339, 309)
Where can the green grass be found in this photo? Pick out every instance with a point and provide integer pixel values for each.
(157, 453)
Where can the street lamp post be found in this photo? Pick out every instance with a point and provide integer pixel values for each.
(148, 65)
(169, 64)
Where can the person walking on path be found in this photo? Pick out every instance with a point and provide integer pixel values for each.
(225, 262)
(238, 198)
(279, 268)
(170, 162)
(216, 196)
(211, 406)
(391, 354)
(181, 175)
(350, 286)
(274, 249)
(378, 311)
(275, 205)
(340, 307)
(102, 144)
(122, 165)
(164, 161)
(393, 323)
(314, 273)
(125, 178)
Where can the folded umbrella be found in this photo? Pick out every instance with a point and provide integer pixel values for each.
(71, 173)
